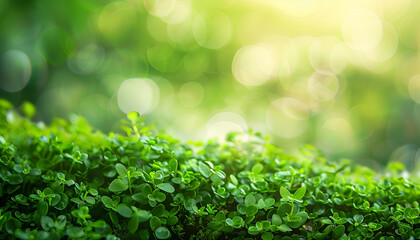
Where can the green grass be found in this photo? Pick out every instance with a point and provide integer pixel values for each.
(68, 180)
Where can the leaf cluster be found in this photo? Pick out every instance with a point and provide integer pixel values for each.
(67, 180)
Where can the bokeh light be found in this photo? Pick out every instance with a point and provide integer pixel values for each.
(160, 8)
(87, 60)
(414, 88)
(223, 123)
(213, 33)
(343, 76)
(362, 29)
(15, 70)
(253, 65)
(323, 85)
(138, 94)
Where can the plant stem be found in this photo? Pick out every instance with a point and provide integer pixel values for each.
(291, 182)
(136, 130)
(71, 166)
(129, 185)
(291, 212)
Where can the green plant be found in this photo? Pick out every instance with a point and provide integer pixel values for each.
(67, 180)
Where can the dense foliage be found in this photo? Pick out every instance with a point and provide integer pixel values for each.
(67, 180)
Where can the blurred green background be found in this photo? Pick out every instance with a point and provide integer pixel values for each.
(341, 75)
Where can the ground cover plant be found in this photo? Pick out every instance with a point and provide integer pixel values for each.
(67, 180)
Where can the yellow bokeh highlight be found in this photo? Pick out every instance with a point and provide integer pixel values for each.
(159, 8)
(253, 65)
(223, 123)
(138, 94)
(361, 29)
(386, 47)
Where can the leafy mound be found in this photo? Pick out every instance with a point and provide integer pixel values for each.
(70, 181)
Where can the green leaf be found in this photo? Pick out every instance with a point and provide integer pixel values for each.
(75, 232)
(253, 230)
(124, 211)
(107, 201)
(155, 223)
(172, 165)
(42, 208)
(285, 193)
(139, 197)
(47, 223)
(257, 168)
(294, 218)
(241, 208)
(229, 222)
(298, 222)
(28, 109)
(146, 190)
(220, 217)
(204, 169)
(118, 185)
(267, 236)
(159, 210)
(189, 204)
(160, 197)
(284, 228)
(298, 195)
(284, 209)
(15, 179)
(250, 200)
(172, 220)
(108, 156)
(133, 224)
(167, 187)
(144, 215)
(261, 204)
(269, 202)
(133, 116)
(414, 213)
(358, 218)
(12, 224)
(251, 210)
(90, 200)
(218, 176)
(121, 170)
(114, 217)
(62, 204)
(162, 233)
(276, 220)
(338, 231)
(234, 180)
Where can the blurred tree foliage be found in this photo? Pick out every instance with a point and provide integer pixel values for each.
(343, 76)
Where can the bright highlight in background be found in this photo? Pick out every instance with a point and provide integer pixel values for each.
(138, 94)
(253, 65)
(342, 75)
(15, 71)
(362, 29)
(223, 123)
